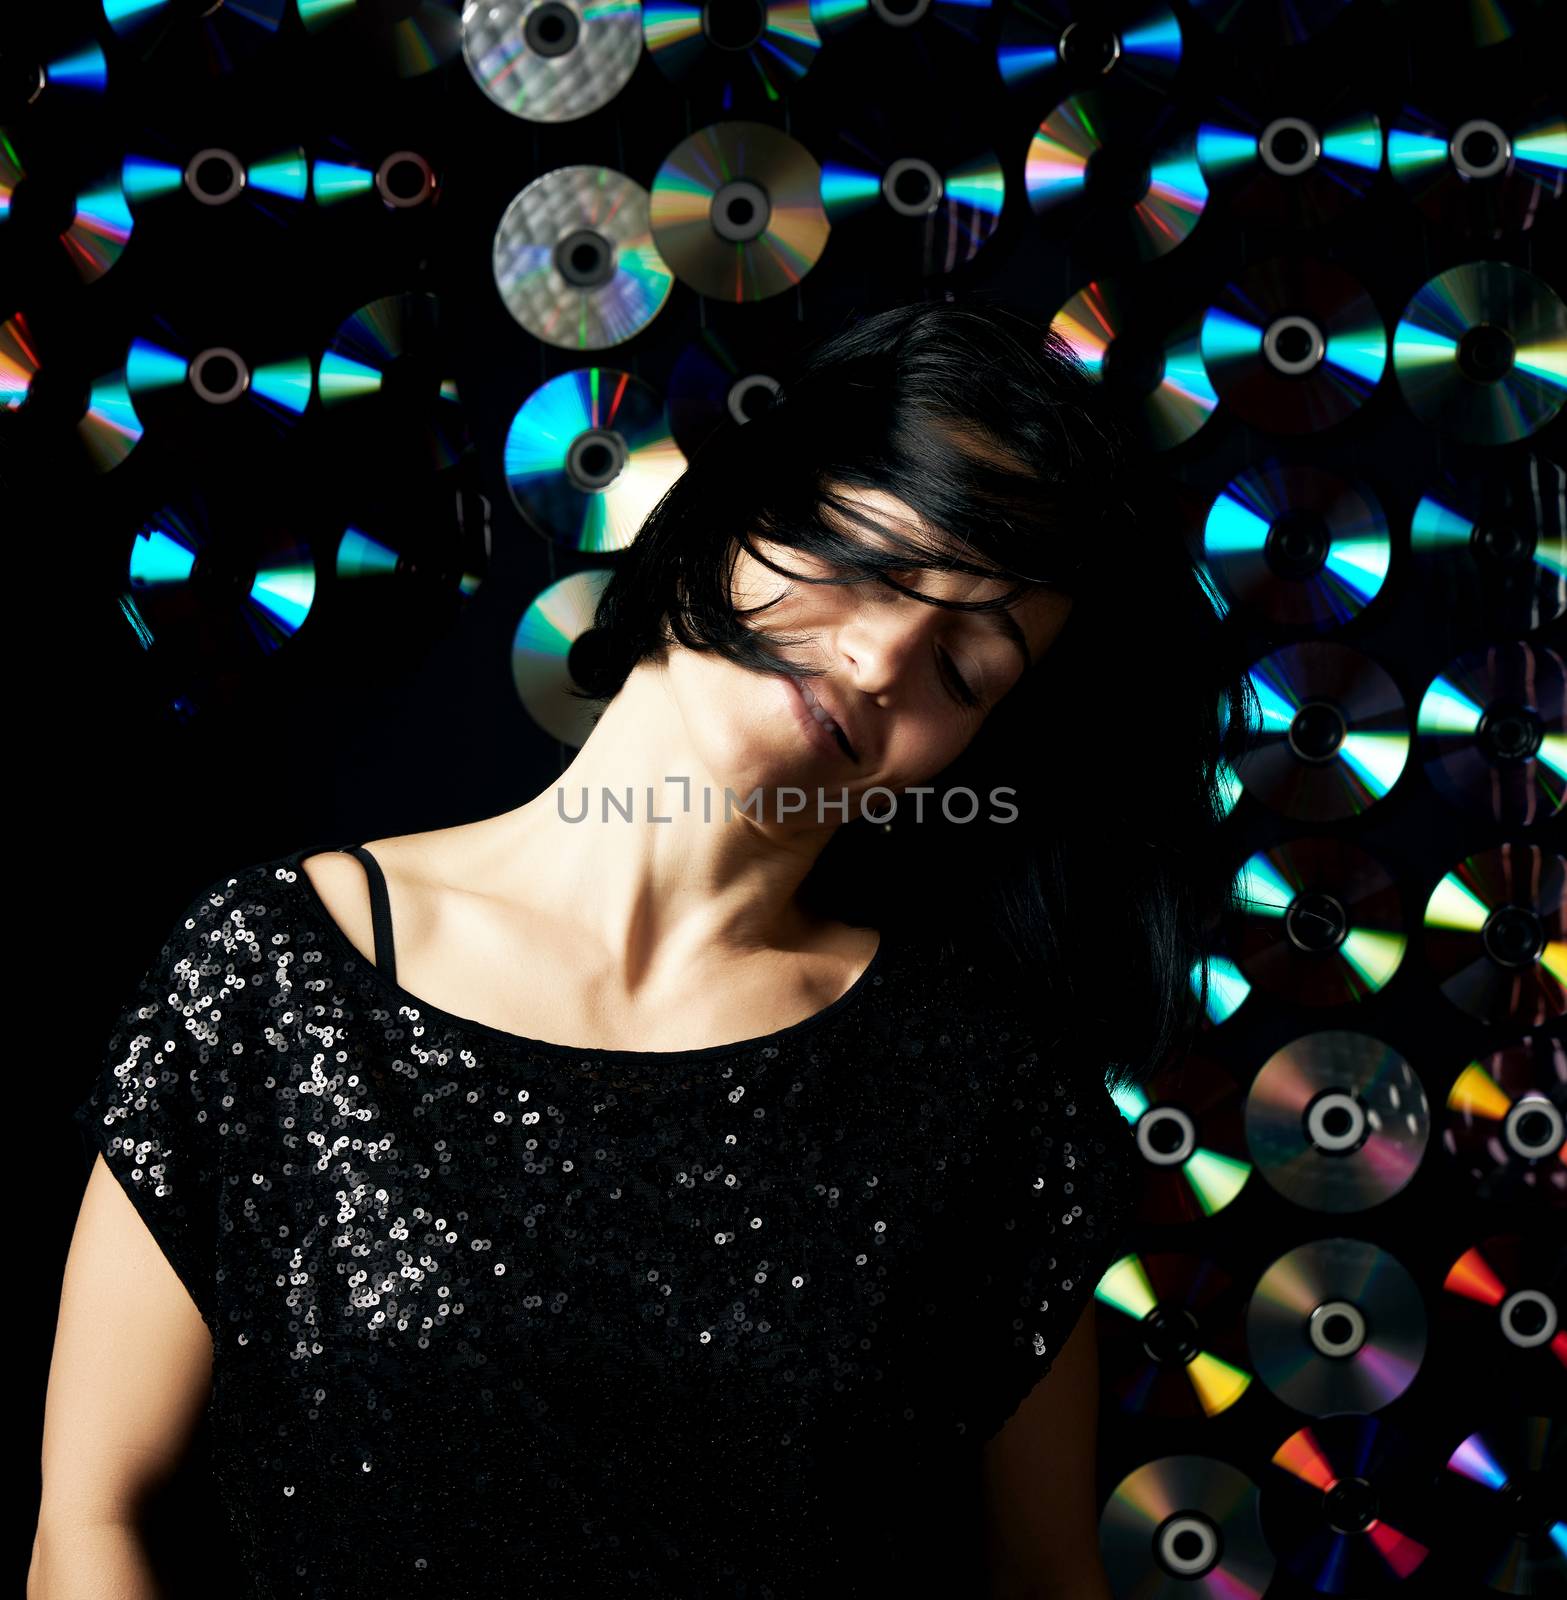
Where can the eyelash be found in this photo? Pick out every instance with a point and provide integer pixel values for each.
(957, 686)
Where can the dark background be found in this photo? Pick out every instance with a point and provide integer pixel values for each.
(393, 710)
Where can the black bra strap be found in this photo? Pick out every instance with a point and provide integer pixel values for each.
(380, 910)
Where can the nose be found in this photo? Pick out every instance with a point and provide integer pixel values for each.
(884, 633)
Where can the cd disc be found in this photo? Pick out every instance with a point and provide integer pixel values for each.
(1048, 48)
(1187, 1123)
(1170, 1331)
(100, 227)
(1477, 353)
(1336, 1325)
(187, 391)
(1485, 175)
(1334, 737)
(224, 37)
(407, 39)
(927, 197)
(386, 379)
(718, 380)
(726, 57)
(1508, 1296)
(575, 262)
(401, 180)
(31, 216)
(1506, 1127)
(1494, 543)
(1095, 165)
(1348, 1506)
(1505, 1486)
(558, 625)
(1302, 166)
(737, 211)
(1270, 22)
(18, 362)
(1182, 1527)
(1157, 383)
(1496, 935)
(428, 556)
(181, 187)
(1493, 733)
(550, 60)
(1294, 345)
(1320, 922)
(588, 455)
(942, 22)
(1227, 988)
(1337, 1121)
(1298, 545)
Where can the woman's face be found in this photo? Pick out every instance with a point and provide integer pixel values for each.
(894, 675)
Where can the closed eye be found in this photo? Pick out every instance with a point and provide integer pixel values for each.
(957, 684)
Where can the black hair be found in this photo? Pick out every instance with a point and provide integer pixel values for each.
(1096, 904)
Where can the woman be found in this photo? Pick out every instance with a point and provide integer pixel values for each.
(694, 1181)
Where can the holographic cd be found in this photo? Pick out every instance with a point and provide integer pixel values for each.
(926, 196)
(187, 391)
(1334, 736)
(100, 222)
(1319, 922)
(1496, 935)
(107, 427)
(1506, 1126)
(1270, 22)
(1488, 175)
(556, 628)
(1048, 48)
(388, 368)
(1187, 1123)
(416, 553)
(193, 587)
(1337, 1121)
(1302, 166)
(401, 180)
(18, 362)
(179, 186)
(1486, 22)
(711, 54)
(554, 62)
(225, 37)
(1182, 1527)
(1336, 1325)
(52, 71)
(1298, 545)
(1506, 1487)
(718, 380)
(1157, 383)
(737, 211)
(1170, 1331)
(1227, 987)
(407, 39)
(941, 22)
(575, 262)
(1494, 543)
(1492, 733)
(1294, 345)
(1100, 163)
(588, 455)
(1478, 353)
(1507, 1296)
(12, 175)
(1348, 1505)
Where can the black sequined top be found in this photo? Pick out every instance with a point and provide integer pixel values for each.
(492, 1315)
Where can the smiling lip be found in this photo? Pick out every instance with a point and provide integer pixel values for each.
(819, 735)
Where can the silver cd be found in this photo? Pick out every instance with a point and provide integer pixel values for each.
(575, 262)
(1337, 1121)
(555, 620)
(550, 60)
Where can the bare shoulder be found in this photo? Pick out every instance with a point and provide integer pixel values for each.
(413, 865)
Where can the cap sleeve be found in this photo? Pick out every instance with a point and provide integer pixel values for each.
(155, 1104)
(1063, 1178)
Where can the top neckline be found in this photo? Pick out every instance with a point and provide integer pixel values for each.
(426, 1011)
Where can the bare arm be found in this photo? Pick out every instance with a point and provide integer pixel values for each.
(130, 1374)
(1042, 1522)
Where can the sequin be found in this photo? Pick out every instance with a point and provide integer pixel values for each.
(496, 1316)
